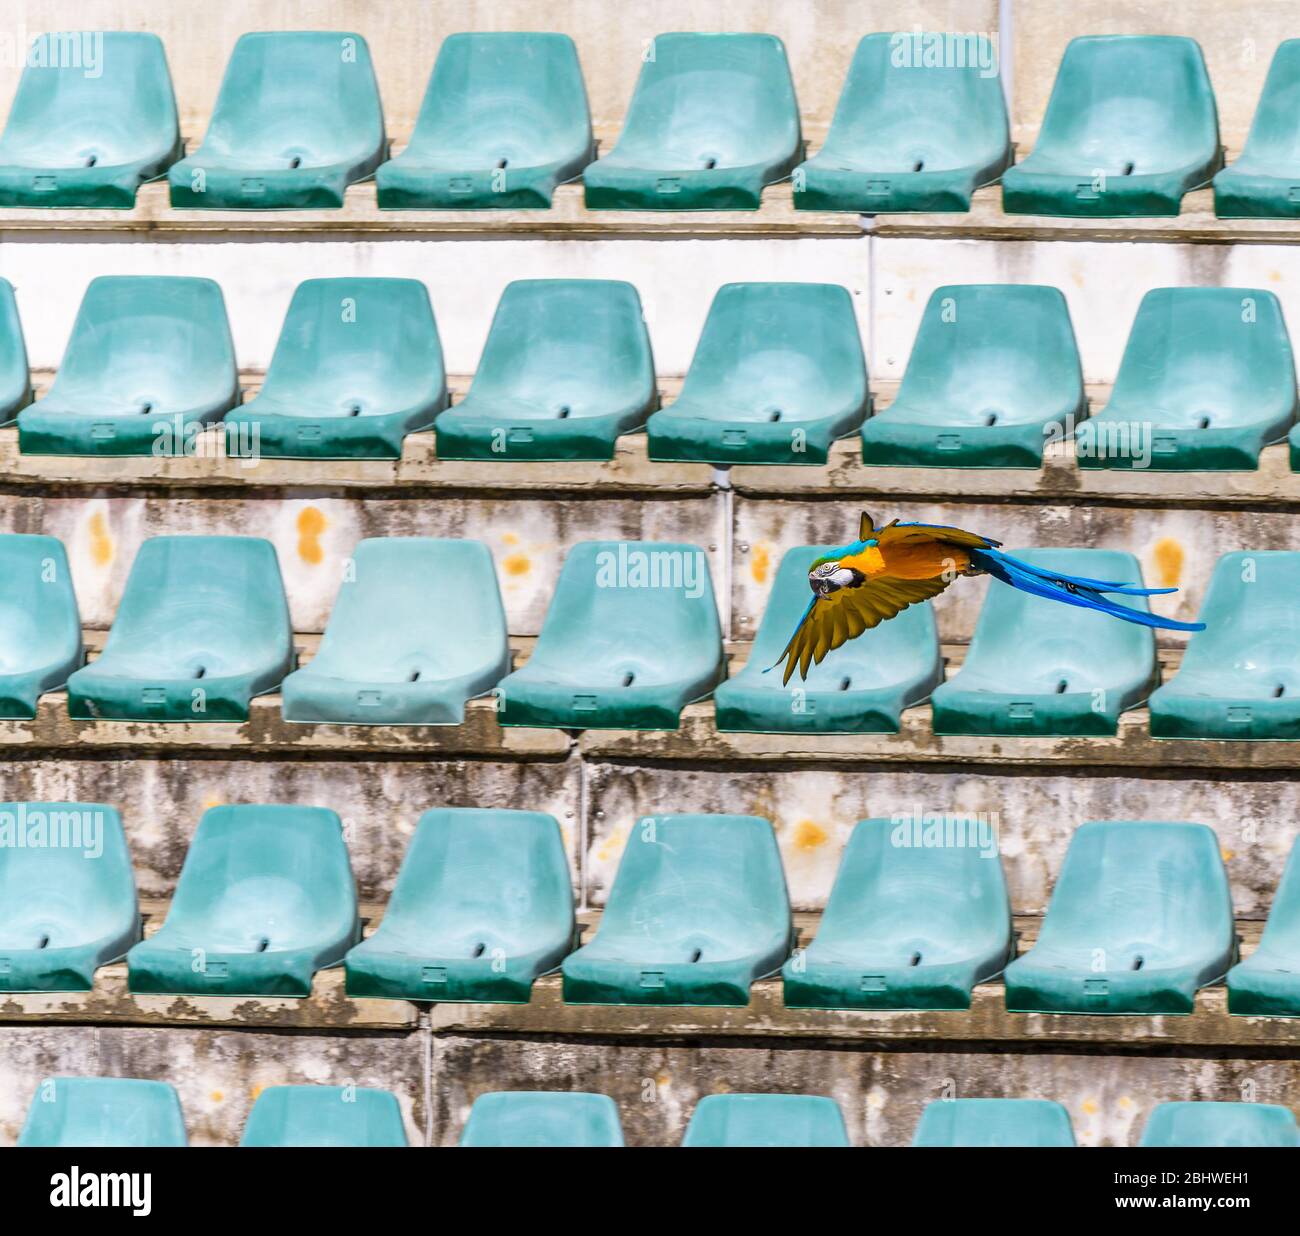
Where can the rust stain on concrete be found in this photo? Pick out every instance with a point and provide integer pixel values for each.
(1169, 558)
(760, 563)
(808, 835)
(311, 523)
(101, 542)
(517, 564)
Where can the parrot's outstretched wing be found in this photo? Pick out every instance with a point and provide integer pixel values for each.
(895, 534)
(832, 620)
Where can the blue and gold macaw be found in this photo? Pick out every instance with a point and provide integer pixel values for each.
(887, 569)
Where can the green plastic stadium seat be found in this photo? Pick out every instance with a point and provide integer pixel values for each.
(203, 626)
(357, 367)
(712, 120)
(766, 1120)
(93, 119)
(631, 638)
(324, 1116)
(483, 905)
(1139, 920)
(697, 912)
(1267, 983)
(149, 363)
(777, 376)
(67, 895)
(265, 899)
(40, 629)
(542, 1118)
(1220, 1124)
(15, 380)
(861, 689)
(1207, 381)
(994, 374)
(504, 120)
(994, 1122)
(1240, 677)
(297, 120)
(104, 1111)
(907, 135)
(1264, 183)
(566, 369)
(1130, 127)
(918, 915)
(417, 630)
(1034, 668)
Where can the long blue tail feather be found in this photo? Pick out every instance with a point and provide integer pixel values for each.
(1074, 589)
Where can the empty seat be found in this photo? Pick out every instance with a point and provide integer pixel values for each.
(542, 1118)
(297, 120)
(150, 362)
(566, 369)
(862, 689)
(1035, 668)
(202, 627)
(416, 630)
(1220, 1124)
(1207, 381)
(483, 905)
(1140, 920)
(917, 916)
(766, 1120)
(324, 1116)
(1130, 127)
(1264, 182)
(357, 367)
(40, 629)
(93, 119)
(631, 637)
(15, 380)
(712, 120)
(697, 912)
(994, 374)
(1240, 677)
(265, 899)
(104, 1111)
(67, 895)
(1267, 983)
(911, 135)
(777, 376)
(994, 1122)
(504, 120)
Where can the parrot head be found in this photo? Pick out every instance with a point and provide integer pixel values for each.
(828, 575)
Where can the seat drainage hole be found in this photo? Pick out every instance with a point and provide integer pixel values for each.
(696, 954)
(354, 409)
(1137, 963)
(1279, 690)
(43, 942)
(91, 160)
(990, 418)
(562, 411)
(263, 943)
(1203, 423)
(710, 162)
(1127, 169)
(479, 949)
(919, 165)
(200, 671)
(296, 161)
(774, 414)
(916, 960)
(627, 678)
(501, 163)
(844, 683)
(1062, 687)
(145, 408)
(413, 676)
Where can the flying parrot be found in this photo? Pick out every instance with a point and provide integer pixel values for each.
(887, 569)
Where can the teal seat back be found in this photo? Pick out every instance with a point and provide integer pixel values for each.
(324, 1116)
(1273, 143)
(104, 1111)
(517, 96)
(568, 347)
(102, 97)
(15, 379)
(994, 1122)
(305, 95)
(265, 878)
(777, 351)
(1220, 1124)
(542, 1118)
(711, 99)
(39, 622)
(766, 1120)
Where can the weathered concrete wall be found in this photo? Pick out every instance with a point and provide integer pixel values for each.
(404, 36)
(313, 537)
(218, 1073)
(1034, 813)
(1238, 40)
(881, 1094)
(465, 278)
